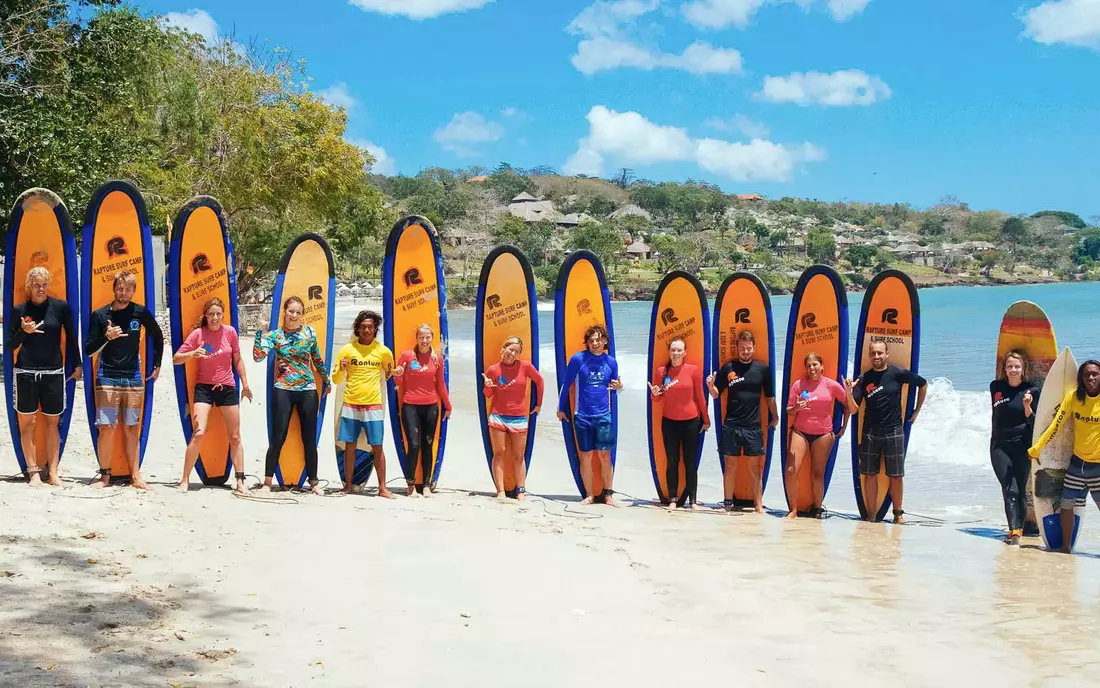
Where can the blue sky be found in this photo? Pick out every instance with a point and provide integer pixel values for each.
(993, 101)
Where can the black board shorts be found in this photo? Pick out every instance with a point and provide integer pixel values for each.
(40, 390)
(887, 444)
(216, 395)
(747, 440)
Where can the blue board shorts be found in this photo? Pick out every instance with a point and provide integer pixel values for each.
(594, 433)
(1082, 477)
(356, 419)
(119, 401)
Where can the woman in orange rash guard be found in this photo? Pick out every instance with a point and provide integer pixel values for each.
(684, 417)
(421, 390)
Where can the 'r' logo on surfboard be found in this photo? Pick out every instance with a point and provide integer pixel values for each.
(40, 259)
(116, 246)
(412, 276)
(809, 321)
(668, 316)
(200, 263)
(583, 307)
(890, 315)
(315, 292)
(742, 316)
(492, 302)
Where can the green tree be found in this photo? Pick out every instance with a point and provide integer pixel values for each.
(1066, 218)
(599, 238)
(679, 253)
(1087, 246)
(821, 245)
(984, 226)
(933, 226)
(860, 255)
(506, 185)
(534, 239)
(1014, 231)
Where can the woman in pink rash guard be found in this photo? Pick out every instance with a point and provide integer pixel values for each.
(218, 351)
(812, 401)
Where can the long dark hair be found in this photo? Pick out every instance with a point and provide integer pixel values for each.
(1081, 377)
(364, 316)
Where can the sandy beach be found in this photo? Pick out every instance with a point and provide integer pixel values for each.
(126, 588)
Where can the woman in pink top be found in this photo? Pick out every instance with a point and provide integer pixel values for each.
(812, 401)
(218, 352)
(422, 390)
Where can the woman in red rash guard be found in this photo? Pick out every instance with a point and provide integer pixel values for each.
(422, 390)
(684, 417)
(506, 384)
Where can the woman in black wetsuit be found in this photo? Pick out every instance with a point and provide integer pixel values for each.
(1014, 402)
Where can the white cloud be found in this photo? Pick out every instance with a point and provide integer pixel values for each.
(419, 9)
(510, 112)
(339, 95)
(383, 163)
(195, 21)
(630, 138)
(839, 89)
(608, 41)
(718, 14)
(739, 123)
(465, 131)
(1074, 22)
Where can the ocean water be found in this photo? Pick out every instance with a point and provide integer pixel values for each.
(948, 472)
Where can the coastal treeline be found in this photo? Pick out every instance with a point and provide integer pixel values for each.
(97, 89)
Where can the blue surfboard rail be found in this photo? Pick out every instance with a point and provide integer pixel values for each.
(72, 296)
(717, 363)
(387, 326)
(842, 358)
(706, 328)
(479, 350)
(276, 321)
(88, 237)
(178, 328)
(561, 362)
(914, 365)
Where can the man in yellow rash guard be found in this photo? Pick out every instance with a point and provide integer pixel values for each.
(1083, 474)
(365, 363)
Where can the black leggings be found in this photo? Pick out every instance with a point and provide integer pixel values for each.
(283, 402)
(682, 440)
(419, 421)
(1012, 466)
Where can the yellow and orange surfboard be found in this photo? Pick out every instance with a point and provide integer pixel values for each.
(40, 234)
(200, 267)
(506, 307)
(891, 313)
(818, 323)
(680, 311)
(743, 305)
(117, 236)
(414, 292)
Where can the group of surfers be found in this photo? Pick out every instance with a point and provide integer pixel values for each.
(42, 365)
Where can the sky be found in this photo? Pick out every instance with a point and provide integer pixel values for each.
(995, 102)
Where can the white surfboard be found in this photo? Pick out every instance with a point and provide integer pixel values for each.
(1049, 471)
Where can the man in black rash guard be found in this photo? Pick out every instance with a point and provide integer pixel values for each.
(114, 334)
(1014, 400)
(883, 434)
(35, 329)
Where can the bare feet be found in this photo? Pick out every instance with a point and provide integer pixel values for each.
(410, 491)
(240, 488)
(758, 510)
(385, 493)
(1064, 549)
(899, 519)
(520, 494)
(103, 481)
(316, 489)
(792, 514)
(184, 486)
(501, 496)
(35, 479)
(349, 488)
(586, 501)
(138, 483)
(427, 491)
(672, 506)
(610, 501)
(54, 479)
(266, 488)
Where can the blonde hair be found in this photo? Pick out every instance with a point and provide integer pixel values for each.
(431, 330)
(37, 272)
(512, 340)
(124, 276)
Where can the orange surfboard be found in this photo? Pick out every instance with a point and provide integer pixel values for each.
(743, 304)
(818, 323)
(117, 237)
(680, 310)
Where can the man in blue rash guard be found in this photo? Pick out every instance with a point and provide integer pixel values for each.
(597, 375)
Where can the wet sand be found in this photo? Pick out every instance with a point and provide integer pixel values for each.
(128, 588)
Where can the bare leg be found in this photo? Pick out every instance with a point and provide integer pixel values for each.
(107, 435)
(53, 447)
(499, 441)
(819, 461)
(131, 437)
(897, 490)
(232, 417)
(202, 413)
(607, 472)
(380, 469)
(1067, 527)
(517, 444)
(756, 474)
(870, 496)
(585, 458)
(794, 466)
(27, 427)
(349, 466)
(728, 474)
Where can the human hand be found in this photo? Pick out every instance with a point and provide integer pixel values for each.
(616, 385)
(536, 410)
(486, 381)
(657, 390)
(398, 371)
(114, 332)
(710, 379)
(156, 372)
(1027, 399)
(246, 392)
(706, 426)
(31, 327)
(264, 326)
(913, 418)
(561, 415)
(447, 414)
(344, 364)
(78, 373)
